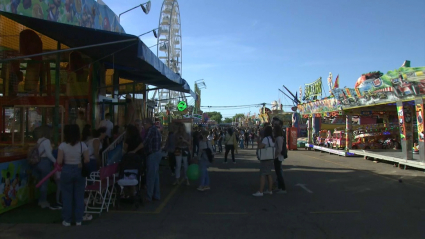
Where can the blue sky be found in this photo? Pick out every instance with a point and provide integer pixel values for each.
(246, 50)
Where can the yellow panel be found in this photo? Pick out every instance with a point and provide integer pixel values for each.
(9, 36)
(109, 76)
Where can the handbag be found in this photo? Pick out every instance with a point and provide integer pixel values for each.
(267, 153)
(85, 172)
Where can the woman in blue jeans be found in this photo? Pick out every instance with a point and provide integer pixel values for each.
(70, 155)
(203, 161)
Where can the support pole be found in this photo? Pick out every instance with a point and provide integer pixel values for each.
(144, 102)
(115, 83)
(419, 108)
(310, 129)
(94, 85)
(406, 130)
(348, 132)
(57, 94)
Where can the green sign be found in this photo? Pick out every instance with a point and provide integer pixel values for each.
(182, 106)
(313, 89)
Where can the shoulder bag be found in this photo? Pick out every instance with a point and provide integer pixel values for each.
(267, 153)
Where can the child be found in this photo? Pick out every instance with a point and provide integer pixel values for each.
(203, 161)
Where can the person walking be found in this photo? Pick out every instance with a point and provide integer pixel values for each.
(211, 139)
(182, 139)
(204, 162)
(71, 154)
(252, 137)
(280, 148)
(95, 146)
(266, 166)
(81, 121)
(152, 147)
(220, 141)
(246, 138)
(170, 147)
(109, 126)
(43, 168)
(230, 145)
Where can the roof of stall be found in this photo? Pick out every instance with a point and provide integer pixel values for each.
(133, 59)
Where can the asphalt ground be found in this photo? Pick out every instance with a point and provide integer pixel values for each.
(328, 197)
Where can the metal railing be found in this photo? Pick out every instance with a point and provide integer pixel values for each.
(105, 154)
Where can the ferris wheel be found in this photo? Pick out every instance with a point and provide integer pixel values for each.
(169, 48)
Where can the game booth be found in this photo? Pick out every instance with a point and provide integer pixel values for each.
(383, 116)
(58, 65)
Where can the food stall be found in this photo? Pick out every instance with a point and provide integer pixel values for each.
(384, 103)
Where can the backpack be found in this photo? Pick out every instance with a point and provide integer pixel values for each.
(33, 156)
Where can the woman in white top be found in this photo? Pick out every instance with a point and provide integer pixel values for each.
(70, 155)
(203, 161)
(266, 166)
(45, 165)
(95, 145)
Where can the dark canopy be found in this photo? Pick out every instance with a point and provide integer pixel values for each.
(134, 59)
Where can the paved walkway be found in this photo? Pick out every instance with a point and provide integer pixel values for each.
(328, 197)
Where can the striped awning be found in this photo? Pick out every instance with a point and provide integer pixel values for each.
(386, 89)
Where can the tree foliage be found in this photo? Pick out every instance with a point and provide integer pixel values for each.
(237, 116)
(215, 116)
(228, 120)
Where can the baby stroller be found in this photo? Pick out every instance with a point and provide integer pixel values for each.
(130, 175)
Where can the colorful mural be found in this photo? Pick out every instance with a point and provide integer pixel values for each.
(373, 88)
(85, 13)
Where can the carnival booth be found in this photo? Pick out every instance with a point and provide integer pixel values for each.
(59, 66)
(379, 114)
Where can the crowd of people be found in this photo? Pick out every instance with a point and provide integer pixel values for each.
(83, 146)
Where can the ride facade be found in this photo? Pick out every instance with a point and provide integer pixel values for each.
(381, 110)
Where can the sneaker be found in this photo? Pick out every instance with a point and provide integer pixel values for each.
(55, 206)
(44, 204)
(200, 189)
(281, 191)
(87, 217)
(78, 224)
(66, 224)
(207, 188)
(257, 194)
(268, 192)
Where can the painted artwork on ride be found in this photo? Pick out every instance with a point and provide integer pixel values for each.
(85, 13)
(17, 185)
(372, 88)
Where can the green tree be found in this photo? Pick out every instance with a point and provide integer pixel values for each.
(215, 116)
(228, 120)
(237, 116)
